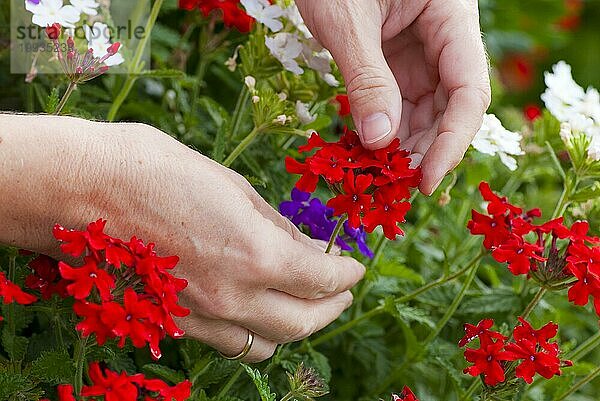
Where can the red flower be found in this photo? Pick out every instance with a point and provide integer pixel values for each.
(344, 105)
(92, 321)
(487, 361)
(584, 264)
(46, 278)
(308, 181)
(481, 331)
(494, 229)
(233, 14)
(179, 392)
(386, 213)
(83, 279)
(532, 112)
(112, 386)
(405, 395)
(53, 31)
(65, 392)
(353, 201)
(543, 361)
(12, 293)
(498, 205)
(519, 255)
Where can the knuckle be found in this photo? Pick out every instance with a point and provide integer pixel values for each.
(366, 84)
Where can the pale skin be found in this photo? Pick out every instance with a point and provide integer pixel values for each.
(248, 267)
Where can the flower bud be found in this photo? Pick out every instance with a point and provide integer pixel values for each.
(114, 48)
(53, 31)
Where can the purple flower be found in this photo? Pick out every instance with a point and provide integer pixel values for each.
(319, 221)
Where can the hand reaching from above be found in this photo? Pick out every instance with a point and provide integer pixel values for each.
(414, 69)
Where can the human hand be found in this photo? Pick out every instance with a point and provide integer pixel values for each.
(415, 69)
(247, 266)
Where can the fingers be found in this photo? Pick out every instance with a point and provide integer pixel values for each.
(305, 272)
(228, 338)
(452, 31)
(352, 33)
(282, 318)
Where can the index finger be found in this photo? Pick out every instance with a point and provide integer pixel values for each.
(464, 74)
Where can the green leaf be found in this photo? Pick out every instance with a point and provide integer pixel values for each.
(221, 118)
(262, 384)
(408, 314)
(555, 160)
(400, 271)
(16, 386)
(164, 373)
(504, 301)
(15, 346)
(52, 102)
(320, 363)
(53, 367)
(587, 193)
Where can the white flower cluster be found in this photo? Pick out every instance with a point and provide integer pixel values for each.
(577, 109)
(48, 12)
(295, 47)
(493, 139)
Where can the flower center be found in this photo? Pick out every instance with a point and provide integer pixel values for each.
(490, 358)
(129, 317)
(532, 358)
(354, 198)
(93, 275)
(520, 251)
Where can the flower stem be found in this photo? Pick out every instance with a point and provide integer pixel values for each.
(80, 358)
(584, 348)
(241, 147)
(455, 303)
(238, 112)
(336, 232)
(595, 373)
(135, 66)
(366, 285)
(288, 396)
(536, 300)
(225, 389)
(65, 98)
(472, 388)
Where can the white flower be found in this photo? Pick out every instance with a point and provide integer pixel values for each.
(48, 12)
(594, 148)
(86, 6)
(250, 82)
(281, 119)
(98, 37)
(493, 139)
(303, 113)
(255, 99)
(293, 15)
(285, 47)
(265, 13)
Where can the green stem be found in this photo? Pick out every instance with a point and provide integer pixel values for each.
(536, 300)
(288, 396)
(584, 348)
(595, 373)
(238, 112)
(80, 358)
(561, 204)
(455, 303)
(65, 98)
(366, 285)
(381, 308)
(135, 66)
(225, 389)
(472, 388)
(241, 147)
(336, 232)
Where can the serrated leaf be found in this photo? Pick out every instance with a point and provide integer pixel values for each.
(221, 118)
(262, 383)
(164, 373)
(15, 346)
(408, 314)
(400, 271)
(52, 102)
(490, 303)
(16, 386)
(587, 193)
(53, 367)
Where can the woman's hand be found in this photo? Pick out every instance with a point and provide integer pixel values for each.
(247, 266)
(414, 69)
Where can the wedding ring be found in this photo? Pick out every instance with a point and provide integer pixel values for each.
(245, 351)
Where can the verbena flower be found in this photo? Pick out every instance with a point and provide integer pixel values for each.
(77, 67)
(264, 12)
(12, 293)
(555, 255)
(98, 37)
(371, 187)
(285, 47)
(318, 220)
(493, 139)
(531, 347)
(231, 11)
(405, 395)
(45, 278)
(123, 290)
(88, 7)
(48, 12)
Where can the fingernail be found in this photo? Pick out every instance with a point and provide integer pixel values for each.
(437, 184)
(415, 160)
(375, 127)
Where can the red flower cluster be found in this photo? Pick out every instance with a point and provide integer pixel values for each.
(233, 14)
(122, 387)
(123, 289)
(344, 105)
(530, 347)
(405, 395)
(372, 186)
(46, 278)
(505, 228)
(11, 293)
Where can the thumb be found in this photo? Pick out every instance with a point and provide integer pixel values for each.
(352, 33)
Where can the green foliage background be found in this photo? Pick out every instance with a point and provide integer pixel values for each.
(391, 349)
